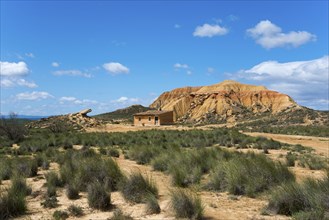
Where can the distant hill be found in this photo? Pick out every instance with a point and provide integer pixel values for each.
(123, 114)
(233, 102)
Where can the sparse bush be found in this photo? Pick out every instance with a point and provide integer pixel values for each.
(83, 170)
(308, 199)
(186, 204)
(5, 169)
(98, 198)
(291, 158)
(53, 179)
(152, 205)
(248, 174)
(12, 128)
(50, 202)
(75, 210)
(136, 188)
(312, 161)
(12, 203)
(60, 215)
(113, 152)
(51, 190)
(19, 186)
(72, 191)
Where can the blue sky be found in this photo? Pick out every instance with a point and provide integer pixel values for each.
(59, 57)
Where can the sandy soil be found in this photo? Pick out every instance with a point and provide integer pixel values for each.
(320, 144)
(217, 205)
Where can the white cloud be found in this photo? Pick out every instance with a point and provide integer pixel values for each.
(13, 69)
(75, 101)
(72, 73)
(208, 30)
(55, 64)
(33, 96)
(23, 82)
(8, 82)
(186, 67)
(183, 66)
(125, 100)
(269, 35)
(115, 68)
(312, 71)
(67, 99)
(306, 81)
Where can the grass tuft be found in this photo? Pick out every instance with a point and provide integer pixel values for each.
(186, 204)
(136, 188)
(98, 198)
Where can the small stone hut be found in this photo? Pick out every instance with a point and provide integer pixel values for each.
(154, 118)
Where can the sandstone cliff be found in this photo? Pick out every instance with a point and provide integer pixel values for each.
(225, 101)
(78, 121)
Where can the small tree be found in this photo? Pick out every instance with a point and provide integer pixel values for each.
(12, 128)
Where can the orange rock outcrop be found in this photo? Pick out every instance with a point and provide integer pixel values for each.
(222, 101)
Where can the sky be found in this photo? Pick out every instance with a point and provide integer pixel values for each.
(59, 57)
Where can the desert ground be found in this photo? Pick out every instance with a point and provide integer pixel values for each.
(218, 205)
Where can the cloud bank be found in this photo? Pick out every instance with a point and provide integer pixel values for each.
(306, 81)
(269, 36)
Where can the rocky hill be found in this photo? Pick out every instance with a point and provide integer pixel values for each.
(122, 114)
(78, 121)
(228, 101)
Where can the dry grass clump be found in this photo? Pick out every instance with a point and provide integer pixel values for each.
(186, 204)
(248, 174)
(98, 197)
(136, 188)
(12, 200)
(308, 200)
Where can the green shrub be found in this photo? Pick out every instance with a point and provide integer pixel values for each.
(84, 170)
(19, 186)
(185, 204)
(12, 203)
(75, 210)
(98, 198)
(248, 174)
(12, 200)
(72, 191)
(152, 205)
(113, 152)
(310, 198)
(60, 215)
(53, 179)
(291, 158)
(5, 169)
(136, 188)
(51, 190)
(50, 202)
(312, 161)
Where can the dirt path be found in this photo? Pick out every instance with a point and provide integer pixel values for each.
(320, 144)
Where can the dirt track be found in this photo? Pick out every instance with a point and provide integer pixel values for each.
(320, 144)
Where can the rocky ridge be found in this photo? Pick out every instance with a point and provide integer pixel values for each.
(227, 101)
(79, 120)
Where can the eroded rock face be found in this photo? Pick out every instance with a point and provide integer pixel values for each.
(79, 120)
(224, 101)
